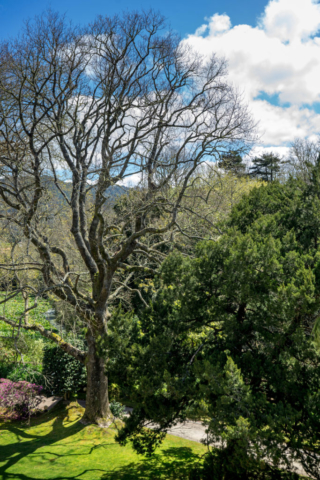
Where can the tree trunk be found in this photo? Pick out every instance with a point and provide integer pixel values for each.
(26, 306)
(97, 400)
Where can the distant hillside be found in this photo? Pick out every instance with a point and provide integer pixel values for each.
(112, 192)
(58, 197)
(116, 191)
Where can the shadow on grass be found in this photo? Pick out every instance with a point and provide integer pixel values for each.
(170, 463)
(173, 463)
(28, 443)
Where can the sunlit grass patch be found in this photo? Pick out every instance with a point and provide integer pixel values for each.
(57, 446)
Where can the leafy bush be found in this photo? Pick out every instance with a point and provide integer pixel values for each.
(6, 369)
(65, 374)
(117, 409)
(16, 372)
(19, 399)
(6, 354)
(27, 373)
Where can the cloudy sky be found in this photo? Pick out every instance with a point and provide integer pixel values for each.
(275, 63)
(272, 49)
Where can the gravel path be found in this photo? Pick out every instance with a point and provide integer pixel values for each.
(47, 403)
(196, 432)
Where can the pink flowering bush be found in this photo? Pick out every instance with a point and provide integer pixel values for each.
(19, 399)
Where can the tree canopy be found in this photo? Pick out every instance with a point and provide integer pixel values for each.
(81, 110)
(228, 338)
(266, 167)
(232, 162)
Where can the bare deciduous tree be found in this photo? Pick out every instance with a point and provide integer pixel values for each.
(302, 157)
(82, 110)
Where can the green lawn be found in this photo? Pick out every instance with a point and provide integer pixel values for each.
(14, 308)
(56, 446)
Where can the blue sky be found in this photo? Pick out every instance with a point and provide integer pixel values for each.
(272, 48)
(184, 16)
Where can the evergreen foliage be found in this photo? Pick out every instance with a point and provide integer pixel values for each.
(65, 375)
(231, 162)
(228, 338)
(266, 167)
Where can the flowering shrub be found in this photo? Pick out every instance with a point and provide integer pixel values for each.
(19, 399)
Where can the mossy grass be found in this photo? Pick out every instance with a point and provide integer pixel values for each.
(57, 446)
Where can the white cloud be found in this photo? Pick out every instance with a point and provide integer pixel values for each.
(279, 125)
(291, 19)
(279, 58)
(131, 180)
(282, 152)
(219, 24)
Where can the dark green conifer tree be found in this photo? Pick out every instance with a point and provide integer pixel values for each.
(228, 338)
(231, 162)
(266, 167)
